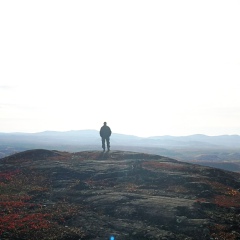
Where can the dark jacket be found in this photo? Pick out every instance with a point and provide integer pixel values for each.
(105, 132)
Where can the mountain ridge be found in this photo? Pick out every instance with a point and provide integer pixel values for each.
(93, 135)
(219, 151)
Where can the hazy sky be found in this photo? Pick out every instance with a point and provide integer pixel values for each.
(146, 67)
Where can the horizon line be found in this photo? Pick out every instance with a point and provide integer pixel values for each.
(64, 131)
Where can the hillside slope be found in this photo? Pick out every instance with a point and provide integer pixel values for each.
(94, 195)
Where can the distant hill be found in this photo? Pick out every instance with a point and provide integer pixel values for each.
(199, 140)
(191, 148)
(92, 137)
(131, 196)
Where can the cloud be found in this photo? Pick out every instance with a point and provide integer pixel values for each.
(5, 87)
(8, 105)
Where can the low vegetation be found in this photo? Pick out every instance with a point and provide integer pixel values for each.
(59, 195)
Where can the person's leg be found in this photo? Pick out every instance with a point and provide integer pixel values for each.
(108, 143)
(103, 143)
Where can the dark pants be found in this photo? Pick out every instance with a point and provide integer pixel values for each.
(103, 142)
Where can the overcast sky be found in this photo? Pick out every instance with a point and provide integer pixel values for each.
(148, 68)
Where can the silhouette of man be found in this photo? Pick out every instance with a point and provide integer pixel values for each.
(105, 133)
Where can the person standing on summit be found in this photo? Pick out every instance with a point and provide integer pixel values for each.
(105, 133)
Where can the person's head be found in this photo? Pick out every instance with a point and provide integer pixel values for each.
(105, 123)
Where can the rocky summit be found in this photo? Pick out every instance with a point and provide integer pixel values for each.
(115, 195)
